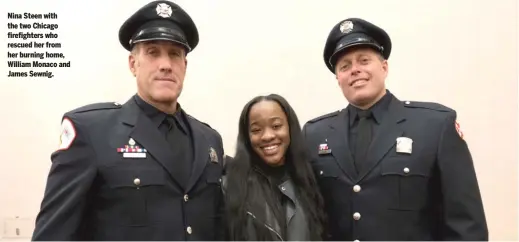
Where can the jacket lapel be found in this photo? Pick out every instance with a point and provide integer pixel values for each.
(339, 144)
(287, 188)
(201, 153)
(149, 137)
(385, 137)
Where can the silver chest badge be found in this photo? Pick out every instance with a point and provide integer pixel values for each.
(213, 155)
(404, 145)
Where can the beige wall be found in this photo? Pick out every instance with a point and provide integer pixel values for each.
(462, 53)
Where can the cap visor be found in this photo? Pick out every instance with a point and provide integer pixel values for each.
(161, 33)
(350, 41)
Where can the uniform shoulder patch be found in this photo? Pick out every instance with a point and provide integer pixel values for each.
(328, 115)
(97, 106)
(458, 128)
(427, 105)
(68, 134)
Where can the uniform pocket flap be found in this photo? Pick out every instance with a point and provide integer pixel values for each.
(327, 170)
(134, 178)
(214, 173)
(404, 168)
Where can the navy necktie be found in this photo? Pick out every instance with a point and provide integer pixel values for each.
(364, 135)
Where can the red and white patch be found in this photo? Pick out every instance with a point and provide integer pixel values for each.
(68, 134)
(458, 129)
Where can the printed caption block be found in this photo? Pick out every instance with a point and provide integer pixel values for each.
(33, 46)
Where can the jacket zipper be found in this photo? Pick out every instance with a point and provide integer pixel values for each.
(268, 227)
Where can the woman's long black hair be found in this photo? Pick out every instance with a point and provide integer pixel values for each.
(247, 190)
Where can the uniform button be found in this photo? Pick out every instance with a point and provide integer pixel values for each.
(283, 188)
(186, 198)
(137, 181)
(321, 172)
(220, 180)
(356, 188)
(356, 216)
(356, 240)
(407, 102)
(189, 230)
(406, 170)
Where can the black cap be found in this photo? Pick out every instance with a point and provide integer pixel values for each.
(159, 20)
(354, 32)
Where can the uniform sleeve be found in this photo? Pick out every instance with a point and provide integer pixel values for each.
(70, 178)
(303, 130)
(463, 213)
(305, 137)
(326, 236)
(309, 148)
(221, 218)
